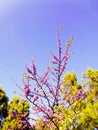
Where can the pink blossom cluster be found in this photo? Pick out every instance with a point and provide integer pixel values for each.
(79, 95)
(45, 92)
(26, 89)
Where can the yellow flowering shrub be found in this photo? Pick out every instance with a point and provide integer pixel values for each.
(18, 113)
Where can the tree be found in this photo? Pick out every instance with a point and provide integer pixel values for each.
(3, 106)
(45, 94)
(62, 103)
(18, 115)
(59, 102)
(81, 109)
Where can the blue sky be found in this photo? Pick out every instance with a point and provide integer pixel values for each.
(28, 28)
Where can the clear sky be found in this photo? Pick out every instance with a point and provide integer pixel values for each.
(28, 28)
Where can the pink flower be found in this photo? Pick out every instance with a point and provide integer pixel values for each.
(62, 68)
(26, 89)
(35, 98)
(60, 116)
(44, 77)
(53, 62)
(29, 70)
(59, 43)
(66, 56)
(34, 72)
(55, 57)
(33, 126)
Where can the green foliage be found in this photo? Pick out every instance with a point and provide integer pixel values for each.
(3, 105)
(78, 111)
(81, 109)
(18, 113)
(3, 98)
